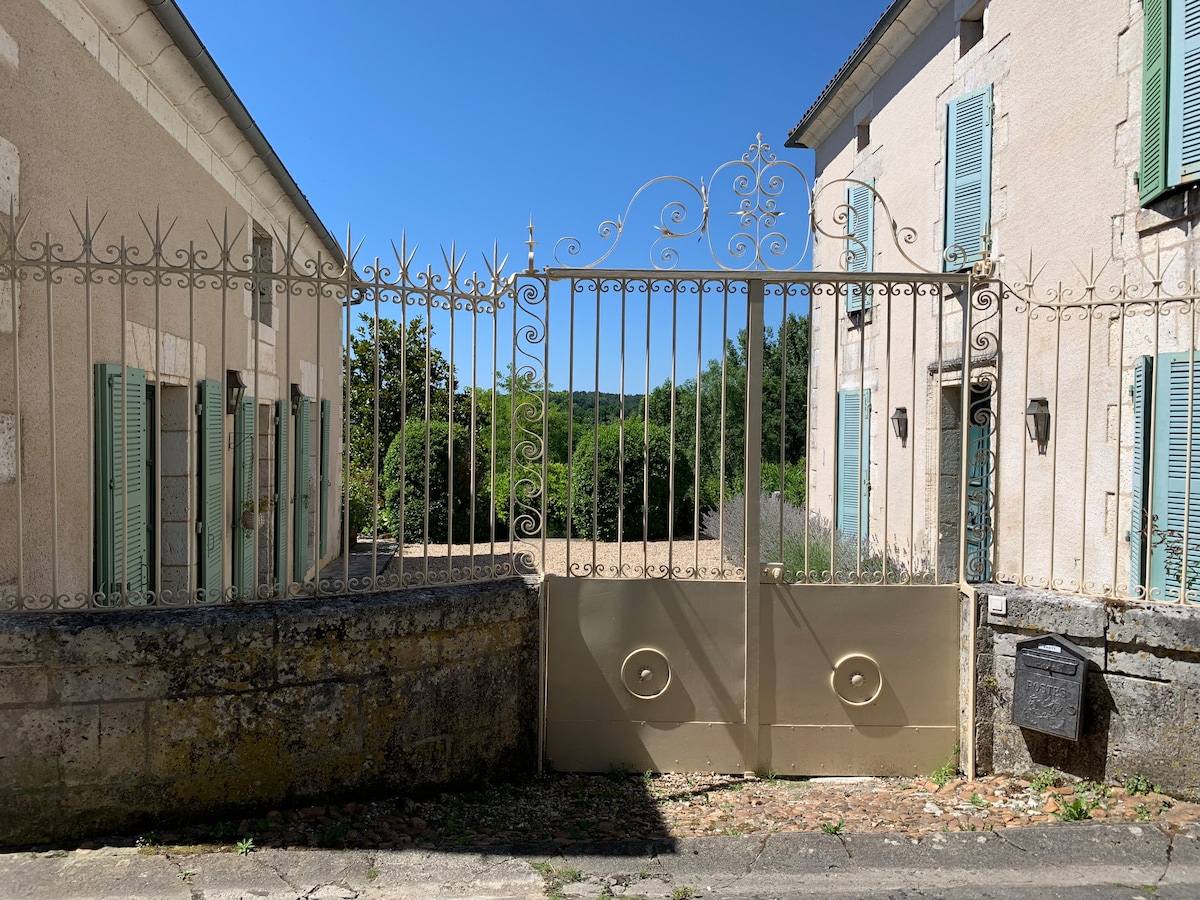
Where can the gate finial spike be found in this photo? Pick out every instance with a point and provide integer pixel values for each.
(531, 243)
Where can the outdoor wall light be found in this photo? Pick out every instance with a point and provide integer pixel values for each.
(900, 424)
(297, 395)
(235, 390)
(1037, 421)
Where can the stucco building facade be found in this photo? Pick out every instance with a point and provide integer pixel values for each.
(125, 465)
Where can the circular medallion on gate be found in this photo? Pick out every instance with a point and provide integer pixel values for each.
(646, 673)
(857, 680)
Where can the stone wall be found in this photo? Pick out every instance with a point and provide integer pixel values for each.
(111, 720)
(1142, 701)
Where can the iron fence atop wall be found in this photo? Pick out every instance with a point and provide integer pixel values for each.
(226, 419)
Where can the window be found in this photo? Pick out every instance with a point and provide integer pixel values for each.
(853, 462)
(264, 263)
(1170, 96)
(122, 503)
(860, 249)
(863, 133)
(1165, 532)
(303, 489)
(968, 177)
(211, 524)
(244, 501)
(970, 28)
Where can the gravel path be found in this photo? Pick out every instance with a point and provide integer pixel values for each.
(685, 559)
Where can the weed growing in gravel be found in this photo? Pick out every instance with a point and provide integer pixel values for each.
(1076, 809)
(1046, 778)
(1142, 813)
(372, 873)
(684, 892)
(332, 836)
(942, 775)
(1094, 789)
(978, 801)
(245, 846)
(1140, 784)
(223, 830)
(556, 877)
(186, 875)
(833, 827)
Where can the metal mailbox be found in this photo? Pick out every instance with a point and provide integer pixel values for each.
(1051, 676)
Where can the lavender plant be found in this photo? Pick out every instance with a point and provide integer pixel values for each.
(808, 545)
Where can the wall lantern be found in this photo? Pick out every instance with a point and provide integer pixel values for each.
(235, 390)
(1037, 421)
(900, 424)
(296, 396)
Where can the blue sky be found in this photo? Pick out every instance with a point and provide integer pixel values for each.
(457, 121)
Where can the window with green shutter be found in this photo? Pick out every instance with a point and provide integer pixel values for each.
(1174, 515)
(122, 554)
(853, 462)
(210, 523)
(300, 523)
(324, 488)
(1170, 154)
(968, 176)
(244, 501)
(860, 246)
(1139, 490)
(282, 448)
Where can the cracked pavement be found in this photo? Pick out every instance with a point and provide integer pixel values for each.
(1122, 862)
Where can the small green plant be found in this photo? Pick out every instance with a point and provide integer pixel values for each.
(1076, 809)
(223, 830)
(147, 840)
(555, 877)
(1096, 789)
(647, 777)
(734, 832)
(1140, 784)
(186, 875)
(245, 846)
(372, 873)
(1142, 813)
(332, 836)
(684, 892)
(606, 892)
(942, 775)
(1045, 778)
(978, 801)
(833, 827)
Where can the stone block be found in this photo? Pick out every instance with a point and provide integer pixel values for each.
(1173, 628)
(1005, 644)
(1037, 611)
(121, 753)
(1149, 663)
(354, 660)
(23, 686)
(92, 684)
(40, 745)
(247, 670)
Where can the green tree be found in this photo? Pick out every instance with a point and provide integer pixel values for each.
(412, 490)
(600, 492)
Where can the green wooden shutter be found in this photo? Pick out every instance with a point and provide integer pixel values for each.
(1175, 523)
(122, 544)
(1152, 176)
(853, 454)
(324, 487)
(300, 526)
(968, 174)
(979, 530)
(243, 497)
(1184, 91)
(282, 417)
(211, 522)
(1143, 367)
(860, 225)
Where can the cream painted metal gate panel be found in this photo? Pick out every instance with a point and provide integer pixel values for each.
(819, 718)
(651, 674)
(692, 639)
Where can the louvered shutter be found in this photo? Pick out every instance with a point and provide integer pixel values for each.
(243, 497)
(211, 523)
(324, 487)
(853, 455)
(1184, 93)
(860, 249)
(300, 526)
(1175, 523)
(1143, 367)
(968, 174)
(122, 544)
(1152, 175)
(282, 416)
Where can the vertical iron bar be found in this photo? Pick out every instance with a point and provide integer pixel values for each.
(964, 433)
(888, 295)
(53, 445)
(621, 439)
(570, 417)
(701, 288)
(452, 300)
(670, 573)
(1083, 498)
(596, 438)
(753, 457)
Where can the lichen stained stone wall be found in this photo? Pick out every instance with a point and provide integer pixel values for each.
(112, 720)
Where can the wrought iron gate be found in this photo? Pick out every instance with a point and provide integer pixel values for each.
(824, 636)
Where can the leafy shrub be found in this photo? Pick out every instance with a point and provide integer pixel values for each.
(558, 503)
(599, 488)
(404, 493)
